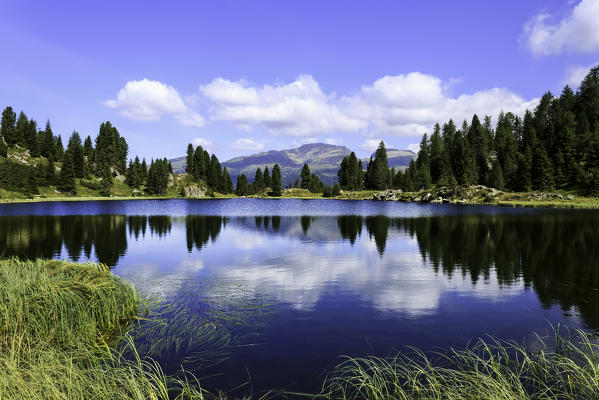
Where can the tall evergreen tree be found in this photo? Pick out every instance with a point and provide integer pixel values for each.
(7, 126)
(267, 178)
(21, 128)
(189, 165)
(31, 139)
(258, 181)
(377, 172)
(276, 181)
(242, 185)
(66, 178)
(50, 176)
(144, 172)
(59, 148)
(305, 177)
(76, 149)
(47, 145)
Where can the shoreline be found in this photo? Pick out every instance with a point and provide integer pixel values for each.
(577, 203)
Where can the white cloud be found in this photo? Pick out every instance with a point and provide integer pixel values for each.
(575, 74)
(333, 141)
(246, 144)
(147, 100)
(576, 32)
(370, 145)
(415, 147)
(400, 105)
(299, 108)
(205, 143)
(408, 105)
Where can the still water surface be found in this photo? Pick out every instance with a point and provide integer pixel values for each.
(272, 292)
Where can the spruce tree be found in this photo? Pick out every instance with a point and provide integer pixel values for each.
(47, 145)
(242, 185)
(228, 182)
(541, 172)
(144, 172)
(276, 181)
(59, 148)
(31, 139)
(76, 150)
(267, 178)
(50, 173)
(258, 181)
(495, 178)
(7, 126)
(189, 166)
(66, 178)
(21, 129)
(305, 177)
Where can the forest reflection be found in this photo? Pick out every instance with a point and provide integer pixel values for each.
(556, 254)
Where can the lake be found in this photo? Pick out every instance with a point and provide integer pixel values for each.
(271, 293)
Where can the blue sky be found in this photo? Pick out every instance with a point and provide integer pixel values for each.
(245, 76)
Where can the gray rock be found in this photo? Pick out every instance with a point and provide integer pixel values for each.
(194, 191)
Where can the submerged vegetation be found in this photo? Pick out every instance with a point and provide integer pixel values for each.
(562, 366)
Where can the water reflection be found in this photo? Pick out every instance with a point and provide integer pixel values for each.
(490, 256)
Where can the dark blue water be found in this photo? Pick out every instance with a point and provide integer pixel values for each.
(273, 292)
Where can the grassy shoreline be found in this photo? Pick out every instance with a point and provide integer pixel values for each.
(519, 200)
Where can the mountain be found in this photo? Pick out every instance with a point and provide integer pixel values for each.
(323, 159)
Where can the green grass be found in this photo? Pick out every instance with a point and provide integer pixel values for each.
(561, 366)
(60, 324)
(64, 335)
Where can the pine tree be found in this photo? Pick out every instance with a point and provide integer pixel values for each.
(7, 126)
(50, 173)
(158, 176)
(305, 177)
(21, 128)
(377, 172)
(267, 178)
(47, 146)
(198, 166)
(31, 139)
(66, 178)
(189, 166)
(496, 176)
(144, 172)
(76, 150)
(228, 182)
(541, 172)
(59, 148)
(276, 181)
(258, 181)
(242, 185)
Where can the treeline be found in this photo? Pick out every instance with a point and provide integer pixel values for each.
(104, 158)
(261, 184)
(556, 146)
(203, 166)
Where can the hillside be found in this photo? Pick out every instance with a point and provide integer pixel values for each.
(323, 159)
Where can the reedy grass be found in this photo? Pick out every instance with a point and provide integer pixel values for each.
(59, 326)
(561, 366)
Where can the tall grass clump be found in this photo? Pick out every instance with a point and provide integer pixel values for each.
(561, 366)
(60, 324)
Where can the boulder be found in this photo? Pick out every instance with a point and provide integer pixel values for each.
(194, 191)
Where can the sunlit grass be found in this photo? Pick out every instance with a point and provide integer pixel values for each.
(562, 366)
(59, 324)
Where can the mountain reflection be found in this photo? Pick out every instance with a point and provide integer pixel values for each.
(554, 253)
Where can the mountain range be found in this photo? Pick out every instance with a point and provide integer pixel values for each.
(323, 159)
